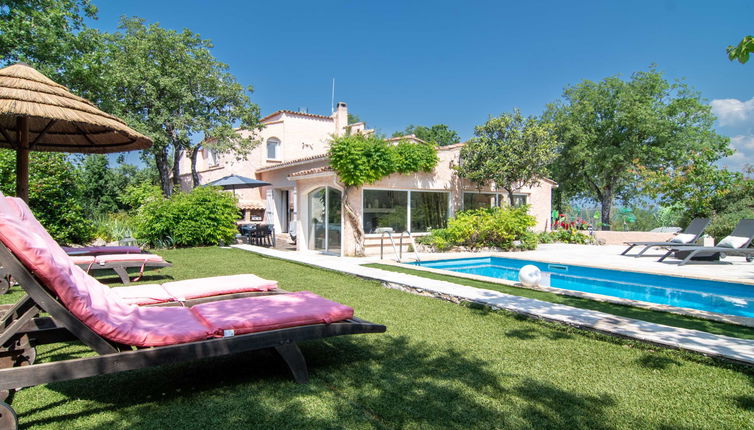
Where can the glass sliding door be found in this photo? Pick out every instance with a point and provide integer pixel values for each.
(385, 209)
(429, 210)
(324, 219)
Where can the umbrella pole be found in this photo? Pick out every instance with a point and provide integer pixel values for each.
(22, 158)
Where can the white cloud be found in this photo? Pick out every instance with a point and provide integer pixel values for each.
(733, 111)
(744, 155)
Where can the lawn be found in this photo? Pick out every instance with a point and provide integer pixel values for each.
(440, 365)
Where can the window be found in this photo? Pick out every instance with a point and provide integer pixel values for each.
(273, 149)
(385, 208)
(415, 211)
(429, 210)
(212, 158)
(480, 200)
(520, 200)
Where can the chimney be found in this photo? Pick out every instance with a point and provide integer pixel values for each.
(341, 119)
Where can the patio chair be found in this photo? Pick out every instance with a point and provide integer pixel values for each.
(127, 336)
(690, 235)
(736, 244)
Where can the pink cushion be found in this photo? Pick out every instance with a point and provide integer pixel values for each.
(82, 259)
(149, 294)
(254, 314)
(217, 285)
(144, 294)
(129, 258)
(98, 250)
(86, 298)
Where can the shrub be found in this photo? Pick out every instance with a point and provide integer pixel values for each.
(565, 236)
(505, 228)
(114, 226)
(204, 216)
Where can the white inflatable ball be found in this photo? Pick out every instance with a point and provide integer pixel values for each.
(530, 275)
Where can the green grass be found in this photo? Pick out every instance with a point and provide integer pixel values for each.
(440, 365)
(658, 317)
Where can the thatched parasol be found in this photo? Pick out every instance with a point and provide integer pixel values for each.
(38, 114)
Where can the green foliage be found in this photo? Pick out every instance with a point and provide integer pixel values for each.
(729, 208)
(353, 118)
(54, 195)
(625, 139)
(565, 236)
(102, 187)
(438, 134)
(168, 85)
(45, 33)
(509, 150)
(204, 216)
(741, 51)
(138, 194)
(487, 227)
(114, 226)
(360, 160)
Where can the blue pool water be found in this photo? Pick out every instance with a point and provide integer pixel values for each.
(712, 296)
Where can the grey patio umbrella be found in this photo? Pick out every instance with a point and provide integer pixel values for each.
(38, 114)
(231, 182)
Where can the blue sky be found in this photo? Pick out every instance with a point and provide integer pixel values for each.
(407, 62)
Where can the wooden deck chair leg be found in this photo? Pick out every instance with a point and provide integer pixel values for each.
(293, 357)
(123, 273)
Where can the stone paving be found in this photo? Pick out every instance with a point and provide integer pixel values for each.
(726, 347)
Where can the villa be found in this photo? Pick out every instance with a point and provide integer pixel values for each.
(305, 193)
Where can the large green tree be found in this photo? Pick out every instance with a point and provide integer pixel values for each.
(510, 151)
(168, 85)
(438, 134)
(622, 139)
(44, 33)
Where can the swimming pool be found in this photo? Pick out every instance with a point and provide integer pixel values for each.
(710, 296)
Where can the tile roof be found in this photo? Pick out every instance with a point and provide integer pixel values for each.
(323, 169)
(293, 162)
(291, 112)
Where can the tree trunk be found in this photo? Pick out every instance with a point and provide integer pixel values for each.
(355, 222)
(177, 152)
(193, 155)
(510, 197)
(607, 206)
(161, 160)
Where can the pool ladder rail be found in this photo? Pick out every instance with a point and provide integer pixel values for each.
(399, 251)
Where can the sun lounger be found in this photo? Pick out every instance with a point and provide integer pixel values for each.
(120, 264)
(736, 244)
(129, 337)
(690, 235)
(101, 250)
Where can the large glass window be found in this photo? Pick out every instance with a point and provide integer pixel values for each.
(480, 200)
(385, 208)
(520, 200)
(429, 210)
(273, 149)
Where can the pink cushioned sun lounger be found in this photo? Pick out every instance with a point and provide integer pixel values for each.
(80, 307)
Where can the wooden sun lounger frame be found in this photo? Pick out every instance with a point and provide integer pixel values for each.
(21, 329)
(121, 267)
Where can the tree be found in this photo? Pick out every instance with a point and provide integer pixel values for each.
(622, 139)
(44, 33)
(438, 134)
(359, 160)
(54, 195)
(168, 85)
(742, 50)
(353, 118)
(102, 187)
(510, 151)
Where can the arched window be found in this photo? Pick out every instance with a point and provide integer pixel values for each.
(273, 148)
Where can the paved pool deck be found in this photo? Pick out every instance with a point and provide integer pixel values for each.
(736, 269)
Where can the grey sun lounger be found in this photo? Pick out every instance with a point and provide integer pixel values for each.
(688, 236)
(736, 244)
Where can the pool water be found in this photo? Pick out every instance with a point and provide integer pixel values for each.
(711, 296)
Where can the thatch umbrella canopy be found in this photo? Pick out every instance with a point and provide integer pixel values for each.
(38, 114)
